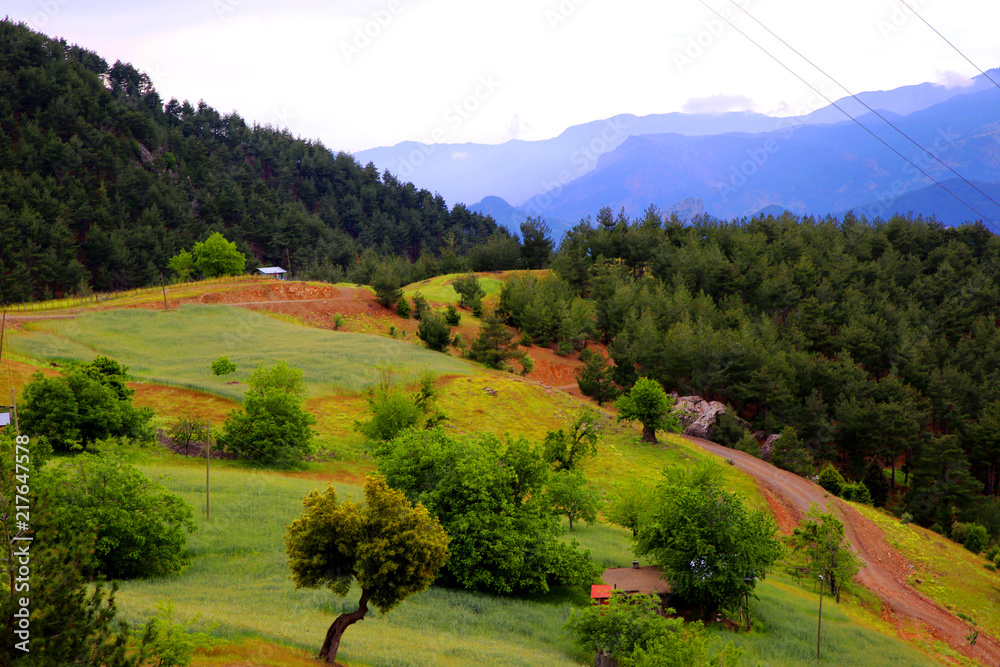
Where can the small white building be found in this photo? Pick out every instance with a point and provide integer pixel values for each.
(273, 272)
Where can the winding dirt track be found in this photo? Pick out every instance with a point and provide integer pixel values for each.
(886, 571)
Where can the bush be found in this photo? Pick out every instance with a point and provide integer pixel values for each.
(972, 536)
(831, 480)
(905, 518)
(856, 492)
(434, 331)
(791, 454)
(729, 430)
(141, 528)
(338, 321)
(419, 306)
(564, 349)
(748, 445)
(403, 309)
(452, 316)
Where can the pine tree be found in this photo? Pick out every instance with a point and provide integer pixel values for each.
(595, 378)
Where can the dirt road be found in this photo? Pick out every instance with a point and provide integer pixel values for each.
(886, 571)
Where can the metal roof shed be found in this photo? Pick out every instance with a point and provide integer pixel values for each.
(273, 271)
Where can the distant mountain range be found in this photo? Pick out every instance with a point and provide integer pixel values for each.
(736, 163)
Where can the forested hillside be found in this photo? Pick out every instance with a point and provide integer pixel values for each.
(101, 182)
(873, 340)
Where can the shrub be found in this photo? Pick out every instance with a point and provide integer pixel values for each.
(972, 536)
(748, 445)
(434, 331)
(831, 480)
(856, 492)
(338, 321)
(403, 309)
(141, 527)
(791, 454)
(564, 349)
(729, 430)
(906, 518)
(452, 316)
(419, 306)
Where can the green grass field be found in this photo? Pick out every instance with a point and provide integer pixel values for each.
(177, 347)
(239, 579)
(439, 289)
(944, 571)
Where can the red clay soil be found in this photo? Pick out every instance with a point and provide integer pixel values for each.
(886, 571)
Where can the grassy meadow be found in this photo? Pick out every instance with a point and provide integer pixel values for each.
(177, 347)
(238, 579)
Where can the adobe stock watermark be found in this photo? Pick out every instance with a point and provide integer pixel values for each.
(224, 7)
(562, 12)
(583, 159)
(365, 33)
(897, 19)
(713, 28)
(946, 139)
(47, 10)
(453, 118)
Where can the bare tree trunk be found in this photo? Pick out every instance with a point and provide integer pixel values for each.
(648, 434)
(332, 642)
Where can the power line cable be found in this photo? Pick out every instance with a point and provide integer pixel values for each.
(866, 106)
(957, 50)
(856, 121)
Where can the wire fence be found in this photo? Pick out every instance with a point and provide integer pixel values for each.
(118, 295)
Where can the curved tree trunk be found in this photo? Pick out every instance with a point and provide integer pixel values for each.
(332, 642)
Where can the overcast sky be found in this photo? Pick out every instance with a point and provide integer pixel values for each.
(358, 73)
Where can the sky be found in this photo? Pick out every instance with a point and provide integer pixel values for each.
(358, 74)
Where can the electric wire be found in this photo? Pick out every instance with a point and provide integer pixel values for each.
(856, 121)
(957, 50)
(869, 108)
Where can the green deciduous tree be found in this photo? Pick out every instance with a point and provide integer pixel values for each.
(272, 427)
(596, 378)
(218, 257)
(628, 504)
(566, 450)
(831, 479)
(818, 549)
(632, 630)
(182, 264)
(141, 528)
(649, 405)
(707, 544)
(391, 547)
(83, 405)
(572, 498)
(490, 497)
(222, 366)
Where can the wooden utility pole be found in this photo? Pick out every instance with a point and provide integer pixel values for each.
(164, 288)
(288, 260)
(208, 457)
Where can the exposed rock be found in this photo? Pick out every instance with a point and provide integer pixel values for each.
(698, 417)
(767, 449)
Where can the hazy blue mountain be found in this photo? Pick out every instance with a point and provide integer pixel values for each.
(902, 101)
(934, 200)
(511, 217)
(809, 168)
(517, 170)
